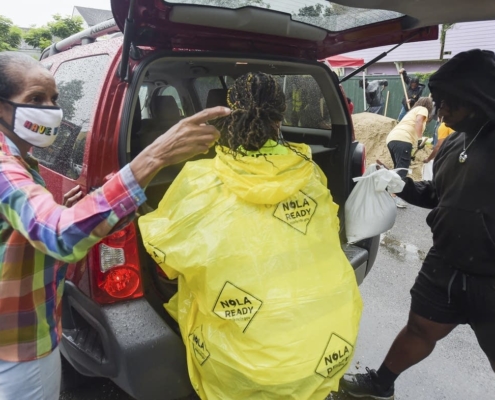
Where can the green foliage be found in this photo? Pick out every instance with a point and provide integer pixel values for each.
(39, 38)
(60, 27)
(423, 76)
(63, 27)
(319, 10)
(15, 37)
(311, 11)
(10, 35)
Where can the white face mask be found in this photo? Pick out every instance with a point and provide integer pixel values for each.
(37, 125)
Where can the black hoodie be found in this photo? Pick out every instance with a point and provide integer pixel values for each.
(462, 195)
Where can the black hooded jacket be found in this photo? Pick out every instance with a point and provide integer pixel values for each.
(462, 195)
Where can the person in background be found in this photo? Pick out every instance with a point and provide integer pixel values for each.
(442, 133)
(456, 284)
(414, 92)
(38, 237)
(408, 133)
(350, 104)
(374, 95)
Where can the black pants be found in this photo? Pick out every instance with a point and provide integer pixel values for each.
(401, 155)
(446, 295)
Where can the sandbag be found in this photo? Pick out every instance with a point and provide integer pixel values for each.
(370, 209)
(427, 172)
(268, 305)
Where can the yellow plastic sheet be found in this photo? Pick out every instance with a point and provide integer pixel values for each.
(268, 305)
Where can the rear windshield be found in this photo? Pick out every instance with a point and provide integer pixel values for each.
(323, 14)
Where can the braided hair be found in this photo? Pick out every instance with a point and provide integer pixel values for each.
(258, 105)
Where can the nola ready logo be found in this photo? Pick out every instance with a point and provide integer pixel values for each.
(296, 211)
(157, 254)
(337, 355)
(198, 345)
(236, 304)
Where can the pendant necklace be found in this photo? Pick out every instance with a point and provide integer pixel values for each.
(463, 156)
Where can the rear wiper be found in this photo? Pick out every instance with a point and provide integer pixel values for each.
(378, 58)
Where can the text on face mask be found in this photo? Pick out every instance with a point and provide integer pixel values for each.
(43, 130)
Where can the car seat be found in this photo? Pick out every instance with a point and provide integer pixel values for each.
(165, 114)
(216, 97)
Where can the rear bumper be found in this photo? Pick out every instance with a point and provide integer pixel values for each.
(127, 342)
(362, 256)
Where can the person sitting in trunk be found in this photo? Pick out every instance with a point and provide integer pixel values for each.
(374, 95)
(414, 92)
(253, 238)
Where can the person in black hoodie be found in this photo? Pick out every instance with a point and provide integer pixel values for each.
(456, 284)
(414, 92)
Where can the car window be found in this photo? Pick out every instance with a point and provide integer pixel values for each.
(324, 14)
(172, 91)
(78, 82)
(306, 106)
(143, 98)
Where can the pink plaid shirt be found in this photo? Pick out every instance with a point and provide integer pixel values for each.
(35, 234)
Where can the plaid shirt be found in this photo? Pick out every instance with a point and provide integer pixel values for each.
(36, 232)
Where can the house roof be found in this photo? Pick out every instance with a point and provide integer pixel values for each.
(463, 36)
(93, 16)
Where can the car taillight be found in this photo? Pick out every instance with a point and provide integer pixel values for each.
(114, 267)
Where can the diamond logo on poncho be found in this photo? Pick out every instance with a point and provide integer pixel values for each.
(296, 211)
(337, 355)
(157, 254)
(236, 304)
(198, 345)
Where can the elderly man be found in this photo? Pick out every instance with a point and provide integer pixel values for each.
(456, 284)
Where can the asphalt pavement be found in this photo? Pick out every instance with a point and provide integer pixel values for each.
(456, 370)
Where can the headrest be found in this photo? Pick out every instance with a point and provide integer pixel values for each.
(216, 97)
(164, 107)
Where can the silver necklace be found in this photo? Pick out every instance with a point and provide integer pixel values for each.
(463, 156)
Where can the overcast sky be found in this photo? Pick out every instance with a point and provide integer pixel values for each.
(25, 13)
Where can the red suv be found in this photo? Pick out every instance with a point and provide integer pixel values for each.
(119, 91)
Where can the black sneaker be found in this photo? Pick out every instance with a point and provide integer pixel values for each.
(366, 386)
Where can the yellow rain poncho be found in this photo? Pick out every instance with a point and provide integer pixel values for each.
(268, 304)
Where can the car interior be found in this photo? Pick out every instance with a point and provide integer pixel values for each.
(172, 88)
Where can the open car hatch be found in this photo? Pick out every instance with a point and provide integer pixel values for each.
(275, 27)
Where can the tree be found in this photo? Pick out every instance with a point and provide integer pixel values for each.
(319, 10)
(311, 11)
(60, 27)
(39, 38)
(10, 35)
(63, 27)
(443, 37)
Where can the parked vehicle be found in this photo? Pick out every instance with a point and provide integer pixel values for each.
(120, 91)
